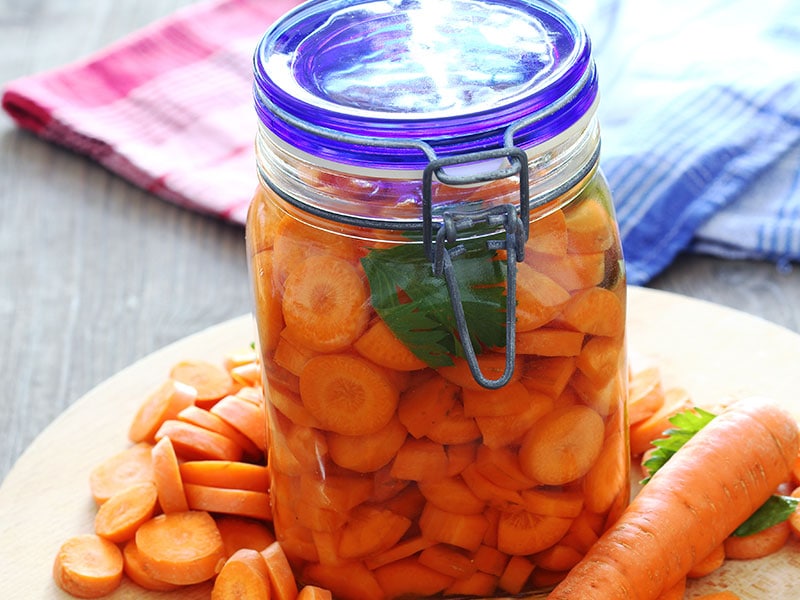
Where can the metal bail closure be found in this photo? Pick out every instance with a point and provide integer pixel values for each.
(455, 220)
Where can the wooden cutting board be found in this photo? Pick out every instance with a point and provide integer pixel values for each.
(712, 351)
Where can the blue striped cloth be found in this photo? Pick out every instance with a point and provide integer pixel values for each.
(700, 118)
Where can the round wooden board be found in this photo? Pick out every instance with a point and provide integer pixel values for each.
(712, 351)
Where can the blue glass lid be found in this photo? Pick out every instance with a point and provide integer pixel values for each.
(453, 73)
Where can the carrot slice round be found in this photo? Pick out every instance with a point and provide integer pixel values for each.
(370, 452)
(88, 566)
(182, 548)
(244, 575)
(211, 381)
(325, 303)
(114, 474)
(165, 402)
(118, 519)
(134, 569)
(347, 395)
(167, 475)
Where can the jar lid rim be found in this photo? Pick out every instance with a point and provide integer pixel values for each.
(455, 74)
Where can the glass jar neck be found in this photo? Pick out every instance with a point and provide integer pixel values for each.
(392, 199)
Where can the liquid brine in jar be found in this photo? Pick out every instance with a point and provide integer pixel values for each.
(439, 293)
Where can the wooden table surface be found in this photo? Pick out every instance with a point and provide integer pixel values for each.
(95, 273)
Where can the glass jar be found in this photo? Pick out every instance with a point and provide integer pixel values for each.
(439, 295)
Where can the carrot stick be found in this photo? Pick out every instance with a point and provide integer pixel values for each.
(210, 381)
(118, 519)
(242, 532)
(137, 573)
(88, 566)
(181, 548)
(167, 477)
(244, 575)
(282, 581)
(226, 473)
(165, 402)
(114, 474)
(701, 495)
(346, 394)
(245, 503)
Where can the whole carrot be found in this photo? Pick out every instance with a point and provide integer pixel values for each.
(705, 491)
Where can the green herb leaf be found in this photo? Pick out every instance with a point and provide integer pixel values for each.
(415, 304)
(775, 510)
(686, 425)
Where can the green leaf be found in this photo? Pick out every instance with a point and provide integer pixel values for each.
(775, 510)
(415, 304)
(686, 425)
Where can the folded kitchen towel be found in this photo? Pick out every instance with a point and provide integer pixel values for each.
(700, 114)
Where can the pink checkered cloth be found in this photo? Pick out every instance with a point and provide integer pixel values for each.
(168, 108)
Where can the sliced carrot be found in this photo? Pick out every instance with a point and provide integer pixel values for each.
(118, 519)
(644, 432)
(459, 457)
(462, 531)
(181, 548)
(559, 557)
(211, 381)
(244, 575)
(409, 502)
(245, 417)
(478, 585)
(564, 445)
(384, 486)
(511, 399)
(490, 560)
(516, 575)
(347, 395)
(501, 467)
(88, 566)
(367, 453)
(292, 355)
(308, 446)
(213, 422)
(337, 492)
(497, 432)
(325, 303)
(608, 478)
(645, 394)
(708, 564)
(242, 532)
(135, 570)
(601, 359)
(371, 530)
(549, 341)
(226, 473)
(522, 532)
(606, 398)
(548, 234)
(402, 549)
(408, 577)
(451, 494)
(248, 374)
(282, 581)
(539, 298)
(167, 477)
(596, 311)
(380, 345)
(347, 580)
(114, 474)
(239, 358)
(267, 299)
(291, 406)
(548, 375)
(448, 561)
(165, 402)
(492, 365)
(675, 592)
(584, 531)
(420, 460)
(590, 227)
(554, 503)
(491, 493)
(724, 595)
(455, 427)
(244, 503)
(196, 443)
(573, 272)
(758, 545)
(313, 592)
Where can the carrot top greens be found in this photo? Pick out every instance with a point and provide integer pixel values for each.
(686, 424)
(415, 303)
